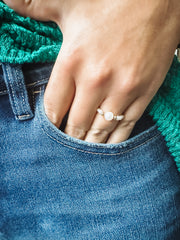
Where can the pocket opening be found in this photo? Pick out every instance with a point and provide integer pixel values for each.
(138, 137)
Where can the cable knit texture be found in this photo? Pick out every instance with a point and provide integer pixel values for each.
(25, 40)
(165, 109)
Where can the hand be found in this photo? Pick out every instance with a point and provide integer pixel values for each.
(115, 55)
(38, 9)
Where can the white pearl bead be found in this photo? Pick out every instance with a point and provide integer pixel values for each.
(120, 117)
(100, 111)
(109, 116)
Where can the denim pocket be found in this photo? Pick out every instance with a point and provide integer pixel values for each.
(111, 185)
(54, 186)
(58, 187)
(136, 139)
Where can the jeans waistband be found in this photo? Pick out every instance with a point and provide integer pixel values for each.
(14, 81)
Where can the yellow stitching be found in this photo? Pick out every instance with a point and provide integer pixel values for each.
(36, 91)
(97, 153)
(22, 116)
(32, 84)
(89, 152)
(5, 91)
(28, 85)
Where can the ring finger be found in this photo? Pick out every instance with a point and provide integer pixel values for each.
(107, 119)
(131, 116)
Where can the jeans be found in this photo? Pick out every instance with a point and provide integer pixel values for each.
(55, 187)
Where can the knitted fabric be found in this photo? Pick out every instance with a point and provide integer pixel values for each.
(25, 40)
(165, 109)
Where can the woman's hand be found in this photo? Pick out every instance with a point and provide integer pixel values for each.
(114, 56)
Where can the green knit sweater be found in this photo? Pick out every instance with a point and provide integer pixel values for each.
(25, 40)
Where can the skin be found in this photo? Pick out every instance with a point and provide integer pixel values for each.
(115, 55)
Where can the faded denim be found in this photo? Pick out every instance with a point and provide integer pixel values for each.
(55, 187)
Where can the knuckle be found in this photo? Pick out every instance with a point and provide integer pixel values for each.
(129, 86)
(129, 124)
(99, 76)
(70, 57)
(98, 133)
(67, 64)
(130, 82)
(75, 132)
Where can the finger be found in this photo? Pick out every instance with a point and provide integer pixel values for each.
(131, 116)
(83, 111)
(101, 128)
(59, 93)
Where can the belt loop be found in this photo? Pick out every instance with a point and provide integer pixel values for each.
(18, 96)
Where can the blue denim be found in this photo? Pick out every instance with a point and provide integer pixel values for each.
(55, 187)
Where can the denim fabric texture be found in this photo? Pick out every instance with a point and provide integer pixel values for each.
(55, 187)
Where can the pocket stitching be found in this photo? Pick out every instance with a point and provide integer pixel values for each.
(76, 148)
(95, 153)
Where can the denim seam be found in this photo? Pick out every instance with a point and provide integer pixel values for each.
(84, 151)
(13, 94)
(22, 116)
(99, 147)
(28, 85)
(95, 153)
(2, 92)
(73, 142)
(36, 92)
(33, 100)
(22, 95)
(109, 154)
(32, 84)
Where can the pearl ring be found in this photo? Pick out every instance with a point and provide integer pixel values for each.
(109, 116)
